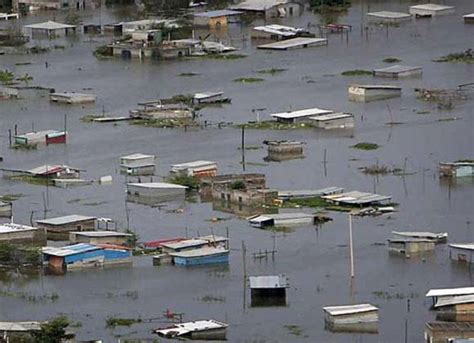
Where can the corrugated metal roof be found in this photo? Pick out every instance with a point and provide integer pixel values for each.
(196, 326)
(454, 300)
(286, 31)
(193, 164)
(49, 25)
(188, 243)
(69, 249)
(12, 227)
(258, 5)
(204, 251)
(217, 13)
(293, 43)
(309, 193)
(301, 113)
(281, 216)
(205, 95)
(349, 309)
(137, 156)
(213, 238)
(20, 326)
(73, 218)
(332, 116)
(377, 87)
(421, 234)
(467, 246)
(450, 291)
(389, 15)
(431, 7)
(157, 185)
(101, 234)
(269, 281)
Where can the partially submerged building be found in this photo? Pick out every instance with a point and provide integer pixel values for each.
(294, 43)
(199, 330)
(99, 237)
(268, 290)
(8, 93)
(209, 98)
(430, 10)
(283, 219)
(18, 331)
(9, 16)
(366, 93)
(456, 169)
(72, 98)
(41, 137)
(442, 332)
(216, 19)
(388, 17)
(50, 172)
(22, 234)
(309, 193)
(333, 121)
(360, 318)
(437, 238)
(197, 169)
(408, 246)
(469, 18)
(278, 32)
(49, 29)
(398, 71)
(453, 300)
(85, 255)
(137, 164)
(269, 8)
(462, 252)
(283, 150)
(155, 192)
(58, 228)
(155, 109)
(356, 198)
(6, 209)
(299, 116)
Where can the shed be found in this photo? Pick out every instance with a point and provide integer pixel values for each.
(282, 219)
(198, 168)
(50, 29)
(58, 228)
(333, 121)
(268, 290)
(300, 115)
(462, 252)
(6, 209)
(283, 150)
(22, 234)
(160, 191)
(147, 24)
(209, 97)
(216, 19)
(388, 17)
(294, 43)
(366, 93)
(72, 98)
(454, 300)
(85, 255)
(430, 10)
(137, 164)
(99, 237)
(469, 18)
(278, 32)
(360, 318)
(456, 169)
(442, 332)
(398, 71)
(408, 246)
(41, 137)
(201, 329)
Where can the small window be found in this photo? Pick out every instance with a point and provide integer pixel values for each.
(79, 227)
(240, 199)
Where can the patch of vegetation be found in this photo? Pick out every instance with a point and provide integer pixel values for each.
(18, 255)
(237, 185)
(34, 180)
(25, 147)
(248, 79)
(465, 161)
(38, 49)
(89, 118)
(32, 298)
(10, 197)
(294, 330)
(461, 57)
(162, 123)
(316, 202)
(189, 74)
(103, 51)
(377, 169)
(179, 98)
(96, 203)
(72, 18)
(398, 296)
(59, 47)
(6, 77)
(112, 322)
(133, 239)
(226, 56)
(391, 60)
(53, 331)
(365, 146)
(272, 71)
(191, 182)
(209, 298)
(273, 125)
(356, 72)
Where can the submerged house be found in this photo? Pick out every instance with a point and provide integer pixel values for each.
(49, 29)
(155, 192)
(269, 8)
(216, 19)
(283, 219)
(333, 121)
(396, 71)
(72, 98)
(299, 116)
(409, 245)
(469, 18)
(209, 98)
(388, 17)
(45, 172)
(430, 10)
(356, 198)
(361, 318)
(294, 43)
(365, 93)
(6, 209)
(453, 300)
(283, 150)
(8, 93)
(85, 255)
(22, 234)
(157, 110)
(278, 32)
(456, 169)
(197, 169)
(58, 228)
(437, 238)
(268, 290)
(199, 330)
(41, 137)
(99, 237)
(137, 164)
(442, 332)
(18, 331)
(462, 252)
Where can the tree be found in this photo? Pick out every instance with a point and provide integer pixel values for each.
(6, 77)
(53, 331)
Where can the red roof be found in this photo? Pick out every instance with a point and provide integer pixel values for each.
(157, 244)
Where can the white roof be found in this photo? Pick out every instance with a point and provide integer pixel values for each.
(206, 95)
(377, 87)
(398, 69)
(197, 326)
(292, 43)
(204, 251)
(101, 233)
(349, 309)
(193, 164)
(38, 134)
(431, 7)
(469, 15)
(389, 15)
(213, 238)
(258, 5)
(49, 169)
(136, 156)
(65, 220)
(301, 113)
(269, 281)
(157, 185)
(421, 234)
(450, 291)
(188, 243)
(72, 95)
(20, 326)
(11, 227)
(331, 116)
(69, 250)
(467, 246)
(287, 31)
(50, 25)
(281, 216)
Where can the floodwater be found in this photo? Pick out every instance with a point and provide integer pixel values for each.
(315, 260)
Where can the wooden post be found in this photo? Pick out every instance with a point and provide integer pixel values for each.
(16, 129)
(65, 122)
(243, 139)
(10, 137)
(244, 263)
(351, 248)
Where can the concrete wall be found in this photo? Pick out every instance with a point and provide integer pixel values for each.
(33, 237)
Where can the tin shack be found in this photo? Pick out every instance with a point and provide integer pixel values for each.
(361, 318)
(397, 71)
(199, 330)
(137, 164)
(453, 300)
(216, 19)
(72, 98)
(430, 10)
(387, 17)
(58, 228)
(41, 137)
(366, 93)
(333, 121)
(155, 191)
(268, 290)
(197, 169)
(283, 150)
(299, 116)
(462, 252)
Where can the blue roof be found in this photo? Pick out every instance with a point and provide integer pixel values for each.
(217, 13)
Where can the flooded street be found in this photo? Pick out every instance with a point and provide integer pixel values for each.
(315, 259)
